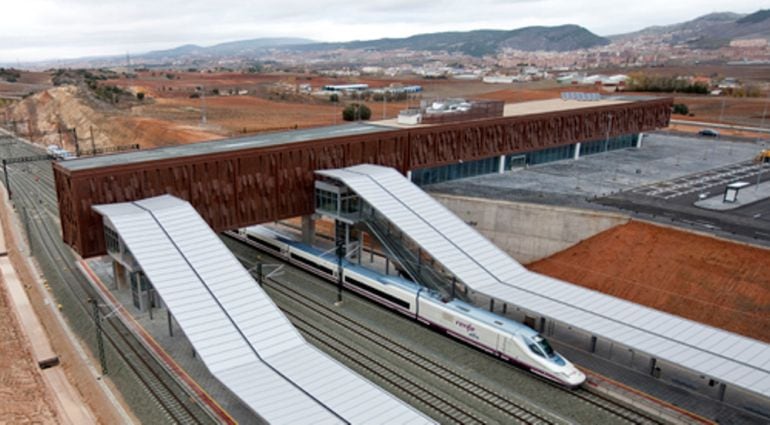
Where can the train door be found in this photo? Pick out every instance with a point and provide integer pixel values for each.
(530, 321)
(509, 348)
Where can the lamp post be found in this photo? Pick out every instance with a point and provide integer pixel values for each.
(340, 254)
(96, 317)
(762, 145)
(761, 166)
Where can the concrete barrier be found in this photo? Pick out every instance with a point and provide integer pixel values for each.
(529, 232)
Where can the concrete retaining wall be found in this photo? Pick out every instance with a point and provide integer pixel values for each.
(529, 232)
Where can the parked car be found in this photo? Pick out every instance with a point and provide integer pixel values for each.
(708, 132)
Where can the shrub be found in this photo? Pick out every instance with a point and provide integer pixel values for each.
(681, 109)
(140, 96)
(356, 111)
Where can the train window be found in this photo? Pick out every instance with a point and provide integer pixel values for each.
(544, 345)
(310, 263)
(535, 349)
(267, 245)
(498, 322)
(377, 292)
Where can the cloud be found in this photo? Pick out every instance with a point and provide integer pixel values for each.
(42, 29)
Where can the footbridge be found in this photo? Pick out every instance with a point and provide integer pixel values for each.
(238, 332)
(423, 234)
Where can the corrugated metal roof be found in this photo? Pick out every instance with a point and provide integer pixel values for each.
(239, 333)
(478, 263)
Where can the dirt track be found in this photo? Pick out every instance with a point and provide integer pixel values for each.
(716, 282)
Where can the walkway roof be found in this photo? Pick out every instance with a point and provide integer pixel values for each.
(725, 356)
(239, 333)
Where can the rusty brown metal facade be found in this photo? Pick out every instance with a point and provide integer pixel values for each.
(256, 185)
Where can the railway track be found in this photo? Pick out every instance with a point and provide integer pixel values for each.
(410, 387)
(516, 411)
(162, 398)
(512, 408)
(32, 184)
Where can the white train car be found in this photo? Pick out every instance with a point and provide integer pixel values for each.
(510, 340)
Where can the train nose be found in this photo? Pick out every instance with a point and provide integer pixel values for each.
(574, 378)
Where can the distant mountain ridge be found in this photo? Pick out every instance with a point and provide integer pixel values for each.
(230, 48)
(706, 32)
(709, 31)
(482, 42)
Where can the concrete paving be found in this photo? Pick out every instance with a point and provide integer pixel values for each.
(661, 157)
(677, 396)
(660, 182)
(746, 196)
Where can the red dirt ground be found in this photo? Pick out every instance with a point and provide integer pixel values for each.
(716, 282)
(23, 394)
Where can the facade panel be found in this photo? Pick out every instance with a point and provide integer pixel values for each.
(238, 188)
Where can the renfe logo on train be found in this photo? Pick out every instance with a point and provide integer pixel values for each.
(468, 328)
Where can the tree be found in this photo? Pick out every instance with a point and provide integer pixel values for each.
(680, 108)
(355, 111)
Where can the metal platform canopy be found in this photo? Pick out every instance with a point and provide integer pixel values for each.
(724, 356)
(239, 333)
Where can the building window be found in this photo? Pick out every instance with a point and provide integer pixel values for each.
(112, 240)
(427, 176)
(326, 201)
(350, 204)
(611, 144)
(460, 170)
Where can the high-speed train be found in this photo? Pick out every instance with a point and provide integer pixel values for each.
(499, 336)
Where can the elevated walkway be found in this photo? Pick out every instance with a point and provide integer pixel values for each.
(237, 331)
(644, 338)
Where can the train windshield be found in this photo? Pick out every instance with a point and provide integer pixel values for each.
(543, 345)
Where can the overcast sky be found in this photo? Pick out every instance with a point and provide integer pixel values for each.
(49, 29)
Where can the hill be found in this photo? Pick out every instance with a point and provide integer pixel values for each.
(710, 31)
(482, 42)
(232, 48)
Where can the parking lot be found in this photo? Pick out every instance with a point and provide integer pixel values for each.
(660, 181)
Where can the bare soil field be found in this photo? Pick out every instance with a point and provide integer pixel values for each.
(28, 82)
(728, 110)
(23, 394)
(746, 73)
(705, 279)
(172, 111)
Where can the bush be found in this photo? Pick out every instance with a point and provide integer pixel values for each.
(666, 84)
(681, 109)
(140, 96)
(334, 97)
(356, 111)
